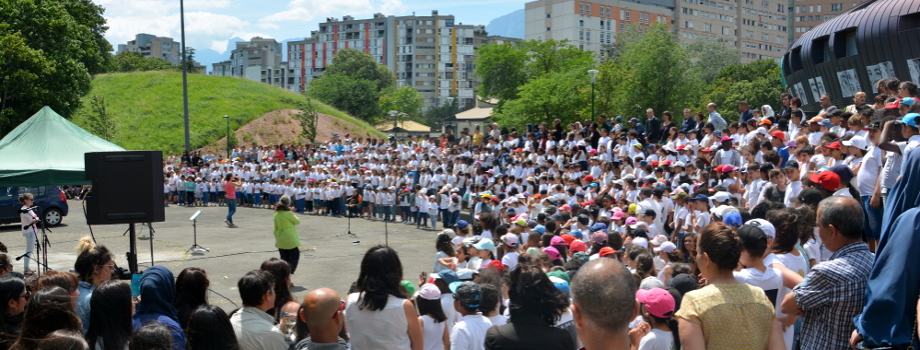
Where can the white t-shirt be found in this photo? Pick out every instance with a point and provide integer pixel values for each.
(470, 333)
(657, 340)
(868, 173)
(510, 260)
(770, 280)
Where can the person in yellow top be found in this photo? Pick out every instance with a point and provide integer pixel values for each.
(287, 240)
(477, 138)
(726, 314)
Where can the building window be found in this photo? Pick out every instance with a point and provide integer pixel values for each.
(581, 8)
(765, 4)
(622, 26)
(581, 23)
(726, 31)
(588, 36)
(547, 15)
(707, 27)
(547, 29)
(622, 15)
(748, 34)
(819, 8)
(608, 25)
(581, 35)
(588, 9)
(628, 15)
(688, 24)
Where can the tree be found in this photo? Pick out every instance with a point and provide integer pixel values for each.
(308, 118)
(756, 82)
(562, 95)
(405, 99)
(435, 115)
(100, 122)
(353, 83)
(21, 68)
(710, 56)
(189, 61)
(127, 61)
(69, 34)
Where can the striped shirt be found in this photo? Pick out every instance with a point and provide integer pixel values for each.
(831, 295)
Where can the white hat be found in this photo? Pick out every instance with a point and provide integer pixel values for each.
(667, 247)
(721, 210)
(721, 196)
(858, 142)
(763, 131)
(764, 225)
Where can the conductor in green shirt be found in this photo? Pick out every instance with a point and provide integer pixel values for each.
(286, 238)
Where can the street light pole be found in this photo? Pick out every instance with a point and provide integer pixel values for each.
(188, 143)
(227, 117)
(593, 74)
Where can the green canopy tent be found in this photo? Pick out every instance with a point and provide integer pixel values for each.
(47, 150)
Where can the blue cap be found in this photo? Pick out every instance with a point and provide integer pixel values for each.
(911, 119)
(484, 244)
(540, 228)
(619, 118)
(907, 101)
(634, 120)
(826, 123)
(600, 226)
(700, 197)
(335, 135)
(462, 224)
(576, 234)
(449, 276)
(732, 218)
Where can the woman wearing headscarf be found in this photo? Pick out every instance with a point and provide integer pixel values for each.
(767, 112)
(158, 291)
(894, 283)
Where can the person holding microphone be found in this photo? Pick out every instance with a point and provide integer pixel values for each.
(230, 185)
(28, 220)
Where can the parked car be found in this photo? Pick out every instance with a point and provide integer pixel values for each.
(51, 199)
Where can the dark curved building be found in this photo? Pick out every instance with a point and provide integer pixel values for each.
(875, 40)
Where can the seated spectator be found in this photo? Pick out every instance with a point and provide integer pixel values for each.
(110, 313)
(49, 310)
(603, 304)
(158, 292)
(14, 296)
(65, 340)
(60, 279)
(536, 306)
(324, 330)
(209, 328)
(153, 336)
(378, 314)
(255, 329)
(191, 292)
(285, 309)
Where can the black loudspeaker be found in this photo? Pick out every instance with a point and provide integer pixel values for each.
(127, 187)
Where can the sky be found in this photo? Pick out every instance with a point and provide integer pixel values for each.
(212, 23)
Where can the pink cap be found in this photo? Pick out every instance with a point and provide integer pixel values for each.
(557, 240)
(631, 221)
(552, 252)
(726, 138)
(618, 215)
(565, 207)
(429, 291)
(658, 302)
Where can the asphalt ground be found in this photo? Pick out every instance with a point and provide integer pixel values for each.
(329, 257)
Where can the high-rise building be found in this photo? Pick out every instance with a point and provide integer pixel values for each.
(433, 54)
(259, 59)
(763, 29)
(154, 46)
(810, 13)
(591, 25)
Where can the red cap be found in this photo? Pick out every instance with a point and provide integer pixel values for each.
(495, 199)
(568, 238)
(894, 105)
(705, 150)
(605, 251)
(779, 134)
(588, 178)
(765, 121)
(827, 179)
(577, 246)
(833, 145)
(496, 264)
(654, 163)
(518, 150)
(418, 149)
(681, 147)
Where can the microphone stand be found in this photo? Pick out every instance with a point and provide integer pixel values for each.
(28, 256)
(45, 243)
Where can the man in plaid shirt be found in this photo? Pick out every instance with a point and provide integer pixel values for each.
(833, 291)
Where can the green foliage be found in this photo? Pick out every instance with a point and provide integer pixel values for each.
(711, 56)
(651, 71)
(69, 34)
(146, 107)
(756, 82)
(21, 67)
(100, 122)
(405, 99)
(128, 61)
(434, 115)
(307, 119)
(189, 60)
(563, 95)
(354, 83)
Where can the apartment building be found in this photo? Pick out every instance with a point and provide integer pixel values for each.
(758, 28)
(154, 46)
(590, 25)
(259, 59)
(433, 54)
(811, 13)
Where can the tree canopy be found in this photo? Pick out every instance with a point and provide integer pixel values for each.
(127, 61)
(758, 83)
(354, 83)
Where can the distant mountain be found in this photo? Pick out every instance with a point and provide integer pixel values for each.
(209, 56)
(510, 25)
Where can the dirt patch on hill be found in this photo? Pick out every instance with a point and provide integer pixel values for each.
(280, 126)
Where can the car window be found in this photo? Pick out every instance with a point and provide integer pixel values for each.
(7, 193)
(35, 191)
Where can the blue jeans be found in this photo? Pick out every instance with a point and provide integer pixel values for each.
(422, 219)
(231, 209)
(872, 223)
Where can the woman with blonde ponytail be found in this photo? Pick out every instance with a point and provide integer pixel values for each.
(94, 265)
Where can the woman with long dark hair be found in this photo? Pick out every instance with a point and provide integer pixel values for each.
(49, 310)
(536, 305)
(111, 311)
(285, 310)
(14, 296)
(95, 265)
(191, 292)
(379, 314)
(209, 328)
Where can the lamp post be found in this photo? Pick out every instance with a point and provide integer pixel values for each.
(227, 117)
(593, 74)
(188, 144)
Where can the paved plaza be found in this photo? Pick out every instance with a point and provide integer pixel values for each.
(328, 257)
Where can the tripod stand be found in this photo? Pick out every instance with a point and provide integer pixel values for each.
(195, 245)
(348, 232)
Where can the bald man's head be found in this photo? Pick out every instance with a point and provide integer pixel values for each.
(605, 293)
(319, 306)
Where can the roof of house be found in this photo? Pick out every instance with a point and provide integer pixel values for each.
(407, 125)
(475, 113)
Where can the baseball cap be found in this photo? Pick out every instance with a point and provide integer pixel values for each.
(894, 105)
(843, 172)
(752, 237)
(726, 138)
(552, 252)
(462, 224)
(827, 179)
(468, 293)
(779, 134)
(429, 291)
(466, 274)
(520, 221)
(588, 178)
(657, 301)
(557, 240)
(858, 142)
(683, 283)
(444, 237)
(826, 123)
(700, 197)
(651, 282)
(600, 226)
(732, 218)
(875, 124)
(600, 237)
(721, 196)
(810, 196)
(605, 251)
(449, 276)
(659, 240)
(911, 119)
(578, 246)
(791, 164)
(908, 101)
(540, 228)
(764, 225)
(667, 247)
(510, 239)
(833, 145)
(484, 244)
(680, 195)
(408, 286)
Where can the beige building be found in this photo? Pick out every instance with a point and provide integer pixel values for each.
(259, 59)
(758, 28)
(154, 46)
(810, 13)
(590, 25)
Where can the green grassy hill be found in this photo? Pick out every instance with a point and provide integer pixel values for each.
(147, 107)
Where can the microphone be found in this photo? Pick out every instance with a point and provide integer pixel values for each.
(23, 256)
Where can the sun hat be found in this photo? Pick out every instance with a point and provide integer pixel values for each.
(659, 302)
